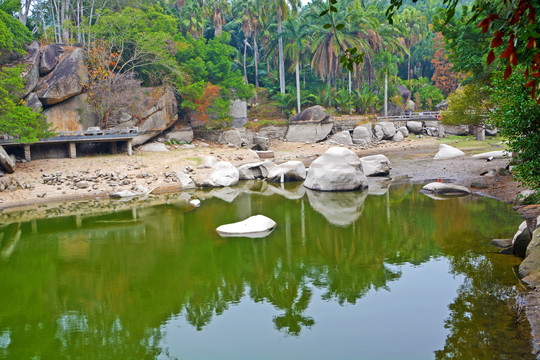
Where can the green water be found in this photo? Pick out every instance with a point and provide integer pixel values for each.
(343, 276)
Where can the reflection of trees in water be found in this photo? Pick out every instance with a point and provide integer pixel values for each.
(124, 290)
(483, 323)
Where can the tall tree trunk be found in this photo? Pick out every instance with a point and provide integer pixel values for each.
(256, 55)
(297, 68)
(245, 69)
(64, 17)
(218, 23)
(409, 66)
(25, 9)
(281, 59)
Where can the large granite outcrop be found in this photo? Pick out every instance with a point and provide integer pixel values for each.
(66, 80)
(153, 110)
(50, 58)
(30, 73)
(72, 115)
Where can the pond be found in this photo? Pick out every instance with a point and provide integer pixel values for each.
(390, 274)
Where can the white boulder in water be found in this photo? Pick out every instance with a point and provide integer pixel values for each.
(498, 154)
(447, 152)
(254, 226)
(446, 189)
(338, 169)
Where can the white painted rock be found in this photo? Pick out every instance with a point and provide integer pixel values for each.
(195, 202)
(447, 152)
(375, 165)
(338, 169)
(341, 138)
(361, 135)
(289, 171)
(446, 189)
(499, 154)
(254, 227)
(224, 174)
(154, 147)
(185, 181)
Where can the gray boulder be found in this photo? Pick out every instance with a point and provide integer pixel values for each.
(6, 161)
(183, 135)
(224, 174)
(287, 172)
(50, 57)
(446, 189)
(232, 137)
(393, 110)
(378, 133)
(447, 152)
(388, 129)
(403, 130)
(30, 72)
(33, 102)
(529, 268)
(311, 125)
(238, 113)
(521, 240)
(185, 181)
(362, 135)
(460, 130)
(260, 143)
(312, 114)
(341, 138)
(338, 169)
(154, 147)
(398, 137)
(491, 132)
(443, 105)
(415, 127)
(65, 81)
(375, 165)
(273, 132)
(404, 92)
(258, 170)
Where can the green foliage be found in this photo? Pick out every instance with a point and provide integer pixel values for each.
(364, 100)
(13, 34)
(209, 62)
(16, 119)
(517, 116)
(427, 96)
(467, 106)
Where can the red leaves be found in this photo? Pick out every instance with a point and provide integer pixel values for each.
(484, 24)
(491, 57)
(531, 44)
(497, 39)
(508, 71)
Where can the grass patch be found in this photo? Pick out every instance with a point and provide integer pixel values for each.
(469, 142)
(196, 160)
(260, 123)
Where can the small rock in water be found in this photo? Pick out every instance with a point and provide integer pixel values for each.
(195, 202)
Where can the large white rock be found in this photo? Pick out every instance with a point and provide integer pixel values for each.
(224, 174)
(388, 128)
(208, 161)
(6, 162)
(338, 169)
(446, 189)
(254, 226)
(341, 138)
(499, 154)
(376, 165)
(185, 181)
(415, 127)
(258, 170)
(287, 172)
(361, 135)
(447, 152)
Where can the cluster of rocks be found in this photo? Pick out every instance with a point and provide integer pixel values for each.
(338, 169)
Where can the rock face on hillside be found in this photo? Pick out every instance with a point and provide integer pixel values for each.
(66, 80)
(31, 71)
(50, 57)
(73, 114)
(153, 111)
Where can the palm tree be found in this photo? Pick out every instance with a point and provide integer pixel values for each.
(295, 34)
(413, 26)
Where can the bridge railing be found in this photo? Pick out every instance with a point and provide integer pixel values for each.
(425, 115)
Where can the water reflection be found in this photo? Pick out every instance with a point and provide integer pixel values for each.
(102, 286)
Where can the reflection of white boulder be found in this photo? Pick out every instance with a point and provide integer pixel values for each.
(291, 193)
(228, 194)
(338, 169)
(254, 227)
(258, 170)
(375, 165)
(378, 186)
(339, 208)
(447, 152)
(446, 189)
(288, 172)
